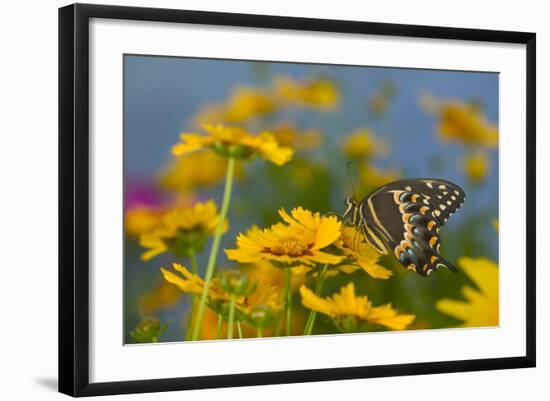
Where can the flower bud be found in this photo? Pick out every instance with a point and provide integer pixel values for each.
(260, 316)
(236, 151)
(149, 330)
(236, 283)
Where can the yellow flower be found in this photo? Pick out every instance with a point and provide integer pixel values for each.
(461, 122)
(362, 144)
(234, 142)
(264, 273)
(481, 305)
(243, 104)
(141, 220)
(287, 134)
(192, 284)
(299, 242)
(358, 252)
(195, 170)
(183, 229)
(316, 93)
(372, 177)
(346, 304)
(476, 166)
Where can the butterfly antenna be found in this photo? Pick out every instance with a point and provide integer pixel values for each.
(351, 180)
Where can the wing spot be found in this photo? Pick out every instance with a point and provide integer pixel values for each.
(445, 193)
(442, 207)
(432, 242)
(437, 213)
(429, 184)
(442, 186)
(453, 197)
(408, 188)
(449, 203)
(439, 197)
(430, 225)
(457, 193)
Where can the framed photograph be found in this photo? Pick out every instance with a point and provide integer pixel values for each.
(250, 199)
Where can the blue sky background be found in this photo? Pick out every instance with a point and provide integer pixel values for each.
(163, 93)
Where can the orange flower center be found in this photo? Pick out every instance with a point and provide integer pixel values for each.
(289, 246)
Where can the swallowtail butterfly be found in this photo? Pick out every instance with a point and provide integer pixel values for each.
(405, 217)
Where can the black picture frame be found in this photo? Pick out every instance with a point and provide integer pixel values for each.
(74, 198)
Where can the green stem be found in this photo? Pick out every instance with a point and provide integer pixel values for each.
(219, 328)
(194, 269)
(318, 288)
(259, 333)
(239, 329)
(215, 245)
(194, 265)
(288, 298)
(231, 317)
(279, 325)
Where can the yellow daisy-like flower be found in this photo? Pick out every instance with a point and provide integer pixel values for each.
(287, 134)
(234, 142)
(243, 104)
(317, 93)
(476, 166)
(183, 229)
(346, 304)
(372, 177)
(461, 122)
(481, 305)
(352, 244)
(190, 283)
(299, 242)
(196, 170)
(362, 144)
(142, 220)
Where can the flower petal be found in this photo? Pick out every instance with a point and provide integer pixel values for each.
(484, 272)
(315, 303)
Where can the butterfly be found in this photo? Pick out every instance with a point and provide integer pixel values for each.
(405, 217)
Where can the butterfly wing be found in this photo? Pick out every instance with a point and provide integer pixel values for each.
(408, 215)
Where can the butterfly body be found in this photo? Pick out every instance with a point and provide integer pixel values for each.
(405, 218)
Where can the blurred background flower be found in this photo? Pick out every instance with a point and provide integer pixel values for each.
(476, 166)
(182, 231)
(480, 306)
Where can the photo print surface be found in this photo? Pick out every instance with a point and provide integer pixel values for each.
(272, 199)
